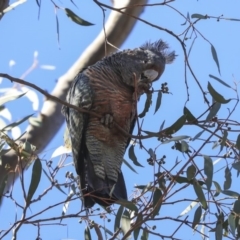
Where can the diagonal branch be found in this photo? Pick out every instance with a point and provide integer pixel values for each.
(117, 28)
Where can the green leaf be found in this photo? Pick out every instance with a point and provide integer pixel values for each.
(236, 165)
(118, 218)
(191, 171)
(177, 125)
(214, 110)
(228, 179)
(158, 102)
(219, 231)
(199, 16)
(230, 193)
(12, 125)
(87, 234)
(147, 105)
(219, 80)
(10, 97)
(184, 146)
(125, 222)
(198, 135)
(36, 176)
(190, 117)
(177, 138)
(197, 216)
(127, 204)
(129, 165)
(156, 198)
(137, 229)
(208, 170)
(218, 188)
(199, 192)
(231, 222)
(133, 157)
(215, 58)
(162, 125)
(236, 206)
(152, 134)
(238, 142)
(216, 96)
(75, 18)
(224, 139)
(144, 234)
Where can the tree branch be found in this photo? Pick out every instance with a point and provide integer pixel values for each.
(117, 28)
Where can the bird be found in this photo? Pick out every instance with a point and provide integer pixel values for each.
(109, 89)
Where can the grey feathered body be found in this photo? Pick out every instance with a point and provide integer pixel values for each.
(108, 89)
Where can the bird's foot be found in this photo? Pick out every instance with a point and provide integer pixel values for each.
(107, 120)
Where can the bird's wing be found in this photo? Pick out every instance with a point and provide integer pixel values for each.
(79, 95)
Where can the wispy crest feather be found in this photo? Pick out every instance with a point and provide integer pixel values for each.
(160, 47)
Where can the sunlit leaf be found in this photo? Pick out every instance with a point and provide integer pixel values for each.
(137, 229)
(177, 138)
(60, 151)
(219, 80)
(133, 157)
(197, 216)
(224, 139)
(188, 208)
(184, 146)
(215, 58)
(208, 170)
(75, 18)
(127, 204)
(10, 97)
(216, 96)
(35, 179)
(87, 234)
(231, 222)
(191, 171)
(199, 192)
(125, 222)
(158, 102)
(147, 105)
(12, 125)
(67, 202)
(118, 218)
(177, 125)
(12, 6)
(228, 179)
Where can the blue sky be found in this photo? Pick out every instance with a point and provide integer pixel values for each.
(21, 34)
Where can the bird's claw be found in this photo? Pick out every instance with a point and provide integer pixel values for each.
(107, 120)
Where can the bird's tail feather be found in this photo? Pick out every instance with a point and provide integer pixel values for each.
(102, 191)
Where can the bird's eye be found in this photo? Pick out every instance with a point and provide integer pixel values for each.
(150, 74)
